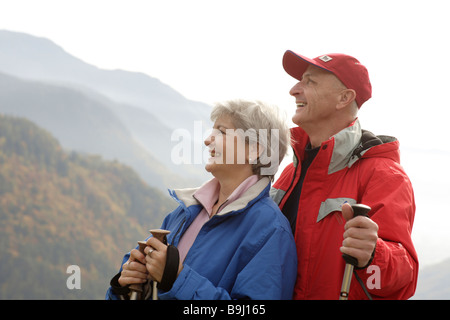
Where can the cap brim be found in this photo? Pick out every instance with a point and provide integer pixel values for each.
(296, 64)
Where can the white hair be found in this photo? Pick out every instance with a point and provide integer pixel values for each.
(263, 124)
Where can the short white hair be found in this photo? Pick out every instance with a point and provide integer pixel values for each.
(262, 123)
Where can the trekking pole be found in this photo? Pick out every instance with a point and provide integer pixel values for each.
(137, 289)
(351, 262)
(161, 235)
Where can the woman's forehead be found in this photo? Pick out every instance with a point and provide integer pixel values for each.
(224, 121)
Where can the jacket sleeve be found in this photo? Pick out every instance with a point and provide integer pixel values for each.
(109, 293)
(270, 274)
(394, 269)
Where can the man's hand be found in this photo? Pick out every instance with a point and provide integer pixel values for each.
(360, 236)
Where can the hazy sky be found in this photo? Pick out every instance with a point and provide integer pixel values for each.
(212, 50)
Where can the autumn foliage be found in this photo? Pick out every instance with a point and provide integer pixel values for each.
(61, 208)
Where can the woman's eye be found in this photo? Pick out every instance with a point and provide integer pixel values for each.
(218, 132)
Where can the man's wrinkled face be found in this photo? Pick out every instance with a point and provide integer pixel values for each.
(316, 96)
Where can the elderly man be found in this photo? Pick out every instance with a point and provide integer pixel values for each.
(337, 164)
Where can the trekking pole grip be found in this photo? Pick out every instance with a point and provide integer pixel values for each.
(137, 289)
(161, 235)
(358, 210)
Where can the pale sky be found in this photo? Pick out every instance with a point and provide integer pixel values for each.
(212, 50)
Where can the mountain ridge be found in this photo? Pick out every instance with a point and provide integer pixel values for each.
(149, 109)
(31, 57)
(82, 124)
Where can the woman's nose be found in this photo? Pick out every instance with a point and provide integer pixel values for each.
(208, 140)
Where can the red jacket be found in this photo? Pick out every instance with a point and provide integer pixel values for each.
(357, 167)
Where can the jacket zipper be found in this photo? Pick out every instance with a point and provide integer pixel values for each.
(179, 229)
(293, 178)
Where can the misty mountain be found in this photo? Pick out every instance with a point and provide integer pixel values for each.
(434, 282)
(31, 57)
(82, 123)
(130, 109)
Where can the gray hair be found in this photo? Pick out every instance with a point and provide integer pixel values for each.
(263, 124)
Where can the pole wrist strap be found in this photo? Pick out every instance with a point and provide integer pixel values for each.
(171, 269)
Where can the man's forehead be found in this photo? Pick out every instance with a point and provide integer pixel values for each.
(315, 71)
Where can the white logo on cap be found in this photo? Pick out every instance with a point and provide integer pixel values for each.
(325, 58)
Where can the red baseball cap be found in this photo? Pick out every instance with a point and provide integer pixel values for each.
(346, 68)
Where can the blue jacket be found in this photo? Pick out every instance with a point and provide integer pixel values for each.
(247, 251)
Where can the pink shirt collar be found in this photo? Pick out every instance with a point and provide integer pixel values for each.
(208, 194)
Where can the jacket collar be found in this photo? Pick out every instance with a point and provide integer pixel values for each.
(343, 144)
(187, 199)
(348, 146)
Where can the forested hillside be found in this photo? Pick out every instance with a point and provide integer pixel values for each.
(59, 209)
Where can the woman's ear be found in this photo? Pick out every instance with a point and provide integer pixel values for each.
(254, 151)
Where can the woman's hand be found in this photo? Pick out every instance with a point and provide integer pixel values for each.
(156, 256)
(134, 270)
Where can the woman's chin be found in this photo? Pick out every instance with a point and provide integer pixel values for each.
(212, 166)
(209, 166)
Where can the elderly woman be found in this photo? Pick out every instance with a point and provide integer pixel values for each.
(228, 239)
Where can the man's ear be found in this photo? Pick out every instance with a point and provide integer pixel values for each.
(346, 97)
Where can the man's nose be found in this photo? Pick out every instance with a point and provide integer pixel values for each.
(295, 90)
